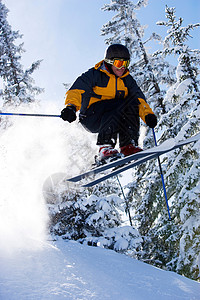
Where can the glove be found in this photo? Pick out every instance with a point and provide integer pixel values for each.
(151, 120)
(69, 114)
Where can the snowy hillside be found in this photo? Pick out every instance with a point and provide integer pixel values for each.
(69, 270)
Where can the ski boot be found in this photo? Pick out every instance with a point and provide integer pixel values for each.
(130, 149)
(106, 154)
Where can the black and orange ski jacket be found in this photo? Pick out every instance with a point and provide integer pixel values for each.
(97, 84)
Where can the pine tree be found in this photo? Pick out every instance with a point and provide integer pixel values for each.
(147, 70)
(179, 112)
(183, 173)
(18, 84)
(179, 241)
(94, 220)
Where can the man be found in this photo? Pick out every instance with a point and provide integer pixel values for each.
(110, 104)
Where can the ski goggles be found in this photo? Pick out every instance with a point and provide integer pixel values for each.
(118, 63)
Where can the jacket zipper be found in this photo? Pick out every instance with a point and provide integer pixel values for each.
(116, 89)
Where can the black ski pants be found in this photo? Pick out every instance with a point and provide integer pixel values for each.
(110, 118)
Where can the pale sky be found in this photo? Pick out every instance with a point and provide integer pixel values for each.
(66, 35)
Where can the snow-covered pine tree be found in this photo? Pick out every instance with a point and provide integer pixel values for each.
(147, 70)
(176, 246)
(17, 84)
(94, 220)
(146, 190)
(84, 217)
(93, 217)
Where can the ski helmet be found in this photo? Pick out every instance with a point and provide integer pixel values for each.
(117, 51)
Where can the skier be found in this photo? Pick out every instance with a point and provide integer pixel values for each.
(110, 104)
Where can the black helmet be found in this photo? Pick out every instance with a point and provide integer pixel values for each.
(117, 51)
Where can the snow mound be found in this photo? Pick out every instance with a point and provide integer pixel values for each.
(69, 270)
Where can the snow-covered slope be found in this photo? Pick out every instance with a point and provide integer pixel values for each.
(68, 270)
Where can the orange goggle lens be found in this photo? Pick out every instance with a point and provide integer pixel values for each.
(121, 63)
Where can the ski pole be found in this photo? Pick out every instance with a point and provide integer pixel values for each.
(28, 115)
(162, 177)
(126, 202)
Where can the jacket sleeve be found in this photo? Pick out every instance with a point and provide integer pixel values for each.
(144, 109)
(137, 95)
(82, 87)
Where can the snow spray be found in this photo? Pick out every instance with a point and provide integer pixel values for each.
(31, 150)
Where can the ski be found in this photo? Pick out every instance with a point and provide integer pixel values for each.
(141, 160)
(121, 169)
(119, 162)
(165, 147)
